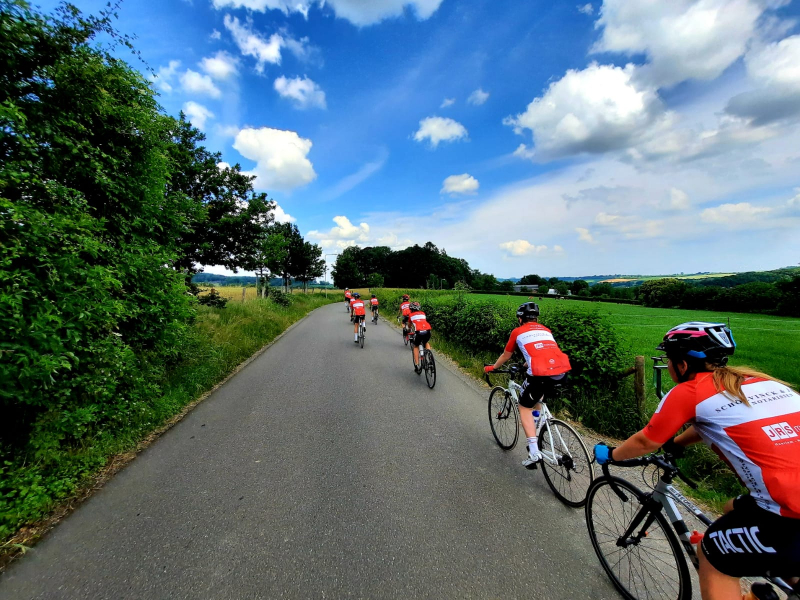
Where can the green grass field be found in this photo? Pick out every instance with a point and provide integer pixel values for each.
(770, 344)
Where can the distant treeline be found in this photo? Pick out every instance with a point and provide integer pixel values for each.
(779, 297)
(209, 279)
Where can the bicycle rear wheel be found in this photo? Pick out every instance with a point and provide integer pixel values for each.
(361, 335)
(430, 369)
(405, 337)
(571, 477)
(650, 562)
(503, 418)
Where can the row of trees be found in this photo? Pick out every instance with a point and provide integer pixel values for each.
(107, 208)
(780, 297)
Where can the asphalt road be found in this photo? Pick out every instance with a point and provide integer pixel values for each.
(322, 470)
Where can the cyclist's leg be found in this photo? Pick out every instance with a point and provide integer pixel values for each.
(355, 329)
(532, 388)
(415, 350)
(715, 585)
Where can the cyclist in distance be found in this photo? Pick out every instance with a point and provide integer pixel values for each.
(359, 313)
(547, 364)
(347, 297)
(373, 302)
(405, 310)
(421, 330)
(353, 299)
(752, 421)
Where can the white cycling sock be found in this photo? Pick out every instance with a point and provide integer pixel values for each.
(355, 337)
(533, 444)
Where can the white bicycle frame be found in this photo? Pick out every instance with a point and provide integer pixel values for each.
(545, 416)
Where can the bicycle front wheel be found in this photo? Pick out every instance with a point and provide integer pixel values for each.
(430, 369)
(503, 418)
(567, 465)
(646, 562)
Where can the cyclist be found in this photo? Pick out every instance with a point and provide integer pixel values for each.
(405, 310)
(374, 306)
(359, 313)
(547, 364)
(752, 421)
(347, 297)
(421, 331)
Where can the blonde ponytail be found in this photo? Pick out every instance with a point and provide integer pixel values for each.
(729, 380)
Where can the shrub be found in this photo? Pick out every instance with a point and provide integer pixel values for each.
(279, 297)
(213, 298)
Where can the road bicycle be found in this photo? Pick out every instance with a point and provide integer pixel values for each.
(406, 332)
(427, 364)
(375, 315)
(638, 535)
(566, 463)
(362, 332)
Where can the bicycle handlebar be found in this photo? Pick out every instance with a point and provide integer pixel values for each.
(663, 461)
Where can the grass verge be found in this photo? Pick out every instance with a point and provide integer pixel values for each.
(34, 496)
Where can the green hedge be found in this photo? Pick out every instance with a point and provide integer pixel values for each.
(596, 354)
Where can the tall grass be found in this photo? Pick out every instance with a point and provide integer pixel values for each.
(220, 340)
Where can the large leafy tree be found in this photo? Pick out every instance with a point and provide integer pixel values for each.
(89, 236)
(228, 219)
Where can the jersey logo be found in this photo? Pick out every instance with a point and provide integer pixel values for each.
(538, 346)
(780, 431)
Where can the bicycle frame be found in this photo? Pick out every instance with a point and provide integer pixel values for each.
(663, 497)
(545, 416)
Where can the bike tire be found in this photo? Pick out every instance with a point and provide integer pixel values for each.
(430, 369)
(361, 336)
(503, 418)
(662, 572)
(405, 338)
(571, 478)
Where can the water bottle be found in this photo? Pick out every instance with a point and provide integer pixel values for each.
(536, 414)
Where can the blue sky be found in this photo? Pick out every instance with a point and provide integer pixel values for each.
(526, 136)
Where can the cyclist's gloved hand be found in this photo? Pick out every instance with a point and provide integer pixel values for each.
(676, 450)
(602, 454)
(488, 368)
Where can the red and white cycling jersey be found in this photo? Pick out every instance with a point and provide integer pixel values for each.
(348, 295)
(760, 442)
(373, 301)
(358, 307)
(404, 307)
(539, 348)
(420, 321)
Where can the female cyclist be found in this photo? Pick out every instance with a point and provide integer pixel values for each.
(753, 422)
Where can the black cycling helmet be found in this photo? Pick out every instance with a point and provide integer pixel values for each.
(374, 296)
(528, 311)
(356, 295)
(699, 342)
(414, 306)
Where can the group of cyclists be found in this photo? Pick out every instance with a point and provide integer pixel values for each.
(751, 420)
(415, 323)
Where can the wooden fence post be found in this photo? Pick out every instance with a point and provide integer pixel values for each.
(244, 289)
(638, 386)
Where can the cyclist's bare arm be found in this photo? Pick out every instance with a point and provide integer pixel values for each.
(688, 437)
(504, 358)
(636, 445)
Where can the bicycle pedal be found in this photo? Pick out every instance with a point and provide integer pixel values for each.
(532, 466)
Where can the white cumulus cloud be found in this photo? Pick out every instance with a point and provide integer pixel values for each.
(739, 215)
(440, 129)
(215, 35)
(358, 12)
(344, 234)
(678, 199)
(303, 92)
(598, 109)
(281, 216)
(586, 9)
(448, 102)
(585, 235)
(165, 75)
(281, 157)
(221, 66)
(683, 39)
(251, 43)
(197, 114)
(195, 83)
(478, 97)
(524, 247)
(460, 184)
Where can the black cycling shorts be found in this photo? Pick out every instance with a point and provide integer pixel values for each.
(750, 541)
(535, 388)
(421, 337)
(357, 318)
(374, 307)
(405, 319)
